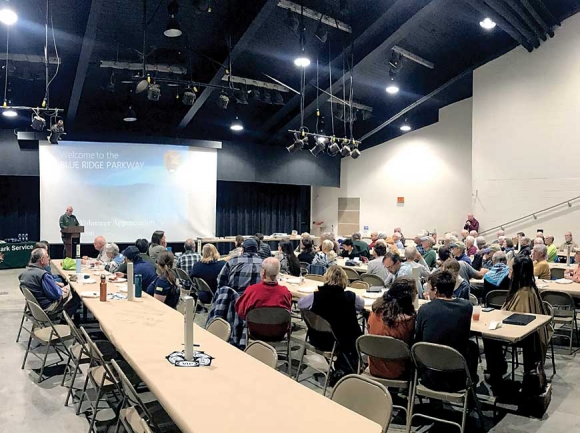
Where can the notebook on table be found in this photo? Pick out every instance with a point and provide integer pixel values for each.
(519, 319)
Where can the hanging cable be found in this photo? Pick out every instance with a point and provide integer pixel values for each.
(343, 93)
(351, 90)
(6, 66)
(56, 52)
(330, 88)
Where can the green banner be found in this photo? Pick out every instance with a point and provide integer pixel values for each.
(15, 255)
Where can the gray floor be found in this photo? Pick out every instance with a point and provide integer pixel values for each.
(28, 407)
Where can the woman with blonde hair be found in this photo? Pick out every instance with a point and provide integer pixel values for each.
(164, 288)
(391, 245)
(208, 269)
(326, 257)
(339, 307)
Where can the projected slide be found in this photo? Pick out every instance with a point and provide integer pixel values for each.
(127, 191)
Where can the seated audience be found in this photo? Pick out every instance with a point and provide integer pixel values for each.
(462, 288)
(374, 237)
(376, 267)
(289, 263)
(429, 254)
(464, 234)
(158, 244)
(509, 249)
(264, 250)
(569, 242)
(393, 315)
(458, 251)
(471, 223)
(238, 249)
(552, 249)
(143, 246)
(326, 257)
(242, 271)
(397, 241)
(446, 320)
(189, 256)
(349, 251)
(208, 269)
(574, 275)
(266, 293)
(145, 268)
(300, 245)
(114, 256)
(498, 276)
(474, 233)
(470, 248)
(539, 241)
(391, 246)
(339, 307)
(525, 247)
(164, 287)
(330, 236)
(392, 261)
(45, 245)
(480, 242)
(99, 243)
(402, 239)
(541, 266)
(307, 254)
(466, 271)
(52, 297)
(415, 260)
(523, 297)
(360, 246)
(417, 242)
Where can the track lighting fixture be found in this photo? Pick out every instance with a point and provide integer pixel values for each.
(345, 151)
(189, 97)
(223, 101)
(154, 92)
(38, 123)
(130, 115)
(237, 125)
(298, 143)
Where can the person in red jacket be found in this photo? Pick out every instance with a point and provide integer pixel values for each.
(266, 293)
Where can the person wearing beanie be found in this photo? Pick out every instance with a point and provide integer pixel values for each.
(242, 271)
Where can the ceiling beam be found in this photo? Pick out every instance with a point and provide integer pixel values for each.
(134, 66)
(84, 59)
(506, 13)
(406, 28)
(255, 83)
(414, 57)
(312, 14)
(373, 33)
(530, 22)
(30, 58)
(238, 49)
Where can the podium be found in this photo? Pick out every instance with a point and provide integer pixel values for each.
(68, 234)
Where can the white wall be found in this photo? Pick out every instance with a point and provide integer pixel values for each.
(526, 135)
(430, 167)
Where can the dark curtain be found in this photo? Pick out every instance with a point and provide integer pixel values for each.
(245, 208)
(20, 206)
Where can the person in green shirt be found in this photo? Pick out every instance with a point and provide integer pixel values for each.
(429, 254)
(552, 249)
(68, 219)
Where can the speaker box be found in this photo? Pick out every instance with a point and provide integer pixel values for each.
(28, 140)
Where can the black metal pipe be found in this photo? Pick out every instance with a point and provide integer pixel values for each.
(537, 17)
(504, 11)
(540, 33)
(542, 8)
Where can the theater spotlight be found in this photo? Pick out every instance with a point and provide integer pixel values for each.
(188, 97)
(277, 98)
(38, 123)
(319, 146)
(355, 154)
(345, 151)
(154, 92)
(333, 147)
(56, 131)
(298, 143)
(223, 101)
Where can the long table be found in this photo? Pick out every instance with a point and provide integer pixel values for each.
(232, 239)
(361, 267)
(508, 333)
(236, 392)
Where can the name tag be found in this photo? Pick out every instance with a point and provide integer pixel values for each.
(159, 289)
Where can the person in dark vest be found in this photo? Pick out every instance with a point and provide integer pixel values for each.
(52, 297)
(339, 308)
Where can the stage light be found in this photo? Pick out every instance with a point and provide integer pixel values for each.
(8, 112)
(345, 151)
(154, 92)
(130, 115)
(189, 97)
(142, 86)
(277, 98)
(56, 131)
(392, 88)
(405, 127)
(333, 147)
(355, 154)
(237, 125)
(223, 101)
(487, 24)
(298, 144)
(8, 16)
(256, 95)
(38, 123)
(241, 97)
(302, 62)
(319, 146)
(267, 97)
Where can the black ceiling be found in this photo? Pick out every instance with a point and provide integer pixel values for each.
(444, 32)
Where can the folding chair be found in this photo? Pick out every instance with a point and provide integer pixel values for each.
(351, 274)
(262, 352)
(440, 359)
(101, 378)
(373, 280)
(550, 311)
(361, 285)
(201, 286)
(316, 323)
(316, 269)
(79, 353)
(496, 298)
(315, 277)
(272, 325)
(387, 349)
(365, 397)
(564, 313)
(220, 328)
(26, 314)
(48, 335)
(473, 299)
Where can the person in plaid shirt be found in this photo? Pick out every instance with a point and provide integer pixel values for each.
(189, 257)
(242, 271)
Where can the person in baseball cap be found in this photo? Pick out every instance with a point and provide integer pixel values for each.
(142, 267)
(458, 251)
(429, 254)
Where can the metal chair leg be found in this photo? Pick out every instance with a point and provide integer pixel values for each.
(27, 351)
(300, 363)
(44, 360)
(553, 357)
(95, 410)
(21, 323)
(80, 403)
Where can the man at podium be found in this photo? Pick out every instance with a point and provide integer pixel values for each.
(68, 220)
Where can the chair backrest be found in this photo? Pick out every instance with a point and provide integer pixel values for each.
(131, 395)
(316, 269)
(220, 328)
(74, 330)
(439, 358)
(549, 310)
(316, 323)
(562, 303)
(383, 347)
(365, 397)
(373, 280)
(268, 323)
(304, 265)
(473, 299)
(38, 314)
(203, 286)
(96, 356)
(496, 298)
(28, 294)
(351, 273)
(315, 277)
(263, 352)
(359, 285)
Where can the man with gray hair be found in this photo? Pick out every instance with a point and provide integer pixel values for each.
(99, 243)
(189, 257)
(541, 266)
(52, 297)
(538, 241)
(397, 239)
(464, 234)
(552, 249)
(480, 242)
(360, 246)
(497, 278)
(416, 261)
(525, 247)
(266, 293)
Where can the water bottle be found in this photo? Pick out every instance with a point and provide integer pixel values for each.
(78, 266)
(103, 289)
(138, 283)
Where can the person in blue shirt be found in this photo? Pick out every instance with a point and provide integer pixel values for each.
(458, 251)
(140, 266)
(164, 288)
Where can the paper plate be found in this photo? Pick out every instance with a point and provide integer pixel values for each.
(89, 295)
(369, 302)
(118, 280)
(121, 287)
(563, 281)
(372, 295)
(293, 280)
(87, 281)
(307, 290)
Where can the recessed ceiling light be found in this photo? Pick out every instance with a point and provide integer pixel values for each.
(302, 62)
(392, 89)
(9, 113)
(8, 16)
(487, 24)
(405, 127)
